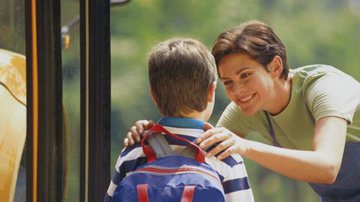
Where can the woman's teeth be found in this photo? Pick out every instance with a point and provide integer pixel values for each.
(247, 98)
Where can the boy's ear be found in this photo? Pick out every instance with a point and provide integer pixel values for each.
(211, 93)
(276, 66)
(153, 97)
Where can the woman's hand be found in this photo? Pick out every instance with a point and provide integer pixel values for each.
(227, 142)
(136, 130)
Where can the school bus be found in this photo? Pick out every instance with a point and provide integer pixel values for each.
(53, 148)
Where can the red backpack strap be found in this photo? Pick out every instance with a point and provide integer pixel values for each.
(150, 154)
(188, 194)
(142, 191)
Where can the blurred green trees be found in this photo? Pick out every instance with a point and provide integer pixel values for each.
(320, 31)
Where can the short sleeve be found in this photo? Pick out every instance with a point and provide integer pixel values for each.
(233, 119)
(333, 94)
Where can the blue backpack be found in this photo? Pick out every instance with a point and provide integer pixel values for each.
(171, 177)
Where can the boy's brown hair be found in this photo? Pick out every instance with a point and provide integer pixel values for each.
(181, 71)
(254, 38)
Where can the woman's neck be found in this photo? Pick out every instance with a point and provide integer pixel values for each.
(282, 95)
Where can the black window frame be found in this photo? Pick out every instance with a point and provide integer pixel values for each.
(45, 142)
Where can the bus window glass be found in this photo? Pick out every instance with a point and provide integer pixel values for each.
(70, 32)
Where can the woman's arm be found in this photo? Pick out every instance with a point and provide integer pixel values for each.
(321, 165)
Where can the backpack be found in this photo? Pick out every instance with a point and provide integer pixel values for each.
(171, 177)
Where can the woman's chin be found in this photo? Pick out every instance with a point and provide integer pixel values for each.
(248, 111)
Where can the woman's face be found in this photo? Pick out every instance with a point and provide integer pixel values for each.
(246, 82)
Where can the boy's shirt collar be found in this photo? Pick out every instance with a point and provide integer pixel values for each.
(181, 122)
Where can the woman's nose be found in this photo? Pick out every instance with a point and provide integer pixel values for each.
(239, 89)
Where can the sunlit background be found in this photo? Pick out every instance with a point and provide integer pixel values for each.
(320, 31)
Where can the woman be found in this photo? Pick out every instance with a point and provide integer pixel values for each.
(310, 114)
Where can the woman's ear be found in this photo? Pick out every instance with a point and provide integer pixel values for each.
(211, 93)
(276, 66)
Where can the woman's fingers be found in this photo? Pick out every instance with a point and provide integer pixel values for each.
(129, 139)
(126, 142)
(142, 125)
(213, 136)
(230, 150)
(208, 134)
(136, 131)
(134, 134)
(226, 142)
(220, 148)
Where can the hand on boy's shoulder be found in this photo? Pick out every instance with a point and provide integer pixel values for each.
(135, 131)
(208, 126)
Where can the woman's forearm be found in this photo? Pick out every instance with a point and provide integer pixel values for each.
(309, 166)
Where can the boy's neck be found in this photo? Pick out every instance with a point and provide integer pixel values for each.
(195, 115)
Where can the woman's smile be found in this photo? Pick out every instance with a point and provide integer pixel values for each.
(246, 99)
(247, 103)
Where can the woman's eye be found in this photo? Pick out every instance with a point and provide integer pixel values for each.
(226, 83)
(244, 75)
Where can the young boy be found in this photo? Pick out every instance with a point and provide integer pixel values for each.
(182, 74)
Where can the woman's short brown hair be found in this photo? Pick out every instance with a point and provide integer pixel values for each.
(254, 38)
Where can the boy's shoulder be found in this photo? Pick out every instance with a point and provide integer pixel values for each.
(231, 162)
(130, 158)
(130, 150)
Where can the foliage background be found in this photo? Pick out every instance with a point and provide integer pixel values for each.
(319, 31)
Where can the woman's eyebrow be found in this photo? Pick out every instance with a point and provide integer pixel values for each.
(237, 73)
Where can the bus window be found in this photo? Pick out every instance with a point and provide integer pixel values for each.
(13, 101)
